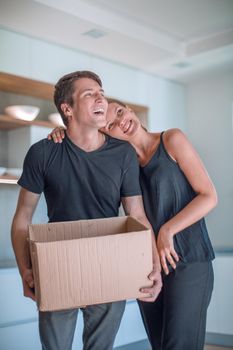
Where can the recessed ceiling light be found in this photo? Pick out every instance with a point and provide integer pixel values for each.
(182, 65)
(95, 33)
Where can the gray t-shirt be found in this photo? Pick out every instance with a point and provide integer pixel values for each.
(78, 184)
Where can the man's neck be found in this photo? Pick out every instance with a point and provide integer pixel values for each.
(88, 140)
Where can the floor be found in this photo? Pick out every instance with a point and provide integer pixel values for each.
(144, 346)
(213, 347)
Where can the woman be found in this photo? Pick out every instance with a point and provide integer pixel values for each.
(177, 193)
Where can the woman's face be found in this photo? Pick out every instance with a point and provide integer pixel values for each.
(122, 123)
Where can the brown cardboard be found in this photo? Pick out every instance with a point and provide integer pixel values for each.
(88, 262)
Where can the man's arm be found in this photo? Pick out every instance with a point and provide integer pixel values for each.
(19, 234)
(133, 206)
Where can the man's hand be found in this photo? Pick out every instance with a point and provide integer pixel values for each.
(153, 291)
(28, 284)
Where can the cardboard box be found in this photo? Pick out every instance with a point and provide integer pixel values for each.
(86, 262)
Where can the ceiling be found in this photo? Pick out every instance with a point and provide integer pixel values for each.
(176, 39)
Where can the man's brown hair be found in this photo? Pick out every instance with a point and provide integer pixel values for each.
(64, 89)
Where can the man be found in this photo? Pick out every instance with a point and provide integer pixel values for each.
(85, 177)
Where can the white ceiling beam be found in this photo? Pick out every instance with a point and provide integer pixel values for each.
(210, 43)
(112, 22)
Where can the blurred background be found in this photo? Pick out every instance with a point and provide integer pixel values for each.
(172, 61)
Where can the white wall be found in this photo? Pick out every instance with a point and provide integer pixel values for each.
(209, 122)
(220, 316)
(3, 146)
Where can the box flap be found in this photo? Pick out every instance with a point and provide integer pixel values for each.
(69, 230)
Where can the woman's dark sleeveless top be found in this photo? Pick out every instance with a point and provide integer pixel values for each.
(166, 191)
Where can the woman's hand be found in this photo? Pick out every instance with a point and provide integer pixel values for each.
(166, 250)
(57, 135)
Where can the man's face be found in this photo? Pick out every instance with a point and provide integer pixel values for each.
(89, 104)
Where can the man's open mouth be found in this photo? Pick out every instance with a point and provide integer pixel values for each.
(99, 111)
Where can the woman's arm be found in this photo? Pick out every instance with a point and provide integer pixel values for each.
(181, 150)
(57, 135)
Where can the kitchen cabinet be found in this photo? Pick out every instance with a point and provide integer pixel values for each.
(16, 136)
(18, 142)
(23, 87)
(9, 123)
(8, 179)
